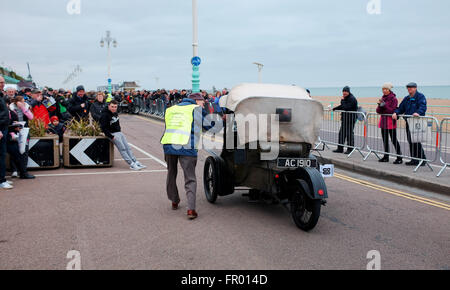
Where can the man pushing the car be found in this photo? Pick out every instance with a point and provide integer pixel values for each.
(180, 141)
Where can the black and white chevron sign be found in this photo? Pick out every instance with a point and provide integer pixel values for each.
(41, 153)
(89, 152)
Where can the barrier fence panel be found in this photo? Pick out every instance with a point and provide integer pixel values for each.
(345, 130)
(444, 145)
(415, 138)
(141, 104)
(160, 108)
(154, 107)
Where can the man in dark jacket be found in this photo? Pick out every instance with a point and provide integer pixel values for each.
(415, 104)
(348, 120)
(79, 104)
(4, 123)
(110, 124)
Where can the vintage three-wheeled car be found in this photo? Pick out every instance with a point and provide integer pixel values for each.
(292, 177)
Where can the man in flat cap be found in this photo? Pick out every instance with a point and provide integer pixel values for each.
(415, 104)
(184, 124)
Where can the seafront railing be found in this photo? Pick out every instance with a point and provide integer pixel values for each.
(440, 112)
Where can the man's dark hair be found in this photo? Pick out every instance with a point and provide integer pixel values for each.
(114, 102)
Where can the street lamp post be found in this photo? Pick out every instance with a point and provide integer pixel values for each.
(195, 68)
(108, 40)
(260, 67)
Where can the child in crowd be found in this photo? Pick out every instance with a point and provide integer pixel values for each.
(56, 128)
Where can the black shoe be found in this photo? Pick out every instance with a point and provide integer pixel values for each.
(398, 161)
(338, 151)
(385, 159)
(412, 163)
(27, 176)
(424, 164)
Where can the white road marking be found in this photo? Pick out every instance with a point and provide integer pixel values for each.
(120, 159)
(100, 173)
(149, 155)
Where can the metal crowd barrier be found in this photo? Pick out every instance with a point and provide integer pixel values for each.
(418, 136)
(141, 103)
(444, 145)
(344, 129)
(153, 107)
(161, 108)
(158, 107)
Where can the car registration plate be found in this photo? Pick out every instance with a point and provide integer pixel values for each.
(296, 163)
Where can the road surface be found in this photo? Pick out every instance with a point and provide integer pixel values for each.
(119, 219)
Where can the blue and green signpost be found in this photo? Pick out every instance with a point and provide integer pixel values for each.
(196, 61)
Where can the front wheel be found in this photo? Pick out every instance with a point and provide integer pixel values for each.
(135, 109)
(305, 211)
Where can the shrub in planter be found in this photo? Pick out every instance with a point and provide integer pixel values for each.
(85, 145)
(37, 128)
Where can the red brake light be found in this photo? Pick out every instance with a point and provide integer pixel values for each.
(321, 192)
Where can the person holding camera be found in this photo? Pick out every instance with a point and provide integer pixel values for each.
(79, 104)
(22, 109)
(349, 107)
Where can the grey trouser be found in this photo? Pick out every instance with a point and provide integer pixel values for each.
(188, 164)
(122, 145)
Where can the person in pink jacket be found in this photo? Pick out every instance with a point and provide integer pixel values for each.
(22, 109)
(386, 107)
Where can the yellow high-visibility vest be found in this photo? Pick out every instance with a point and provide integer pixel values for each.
(179, 121)
(109, 99)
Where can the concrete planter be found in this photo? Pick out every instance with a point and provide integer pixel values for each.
(44, 152)
(81, 152)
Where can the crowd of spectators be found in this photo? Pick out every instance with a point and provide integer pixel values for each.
(55, 108)
(144, 99)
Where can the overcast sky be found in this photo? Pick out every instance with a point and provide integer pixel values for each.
(311, 43)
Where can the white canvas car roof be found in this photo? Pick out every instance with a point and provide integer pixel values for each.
(250, 99)
(245, 91)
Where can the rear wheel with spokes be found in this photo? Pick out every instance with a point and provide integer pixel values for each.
(304, 210)
(211, 180)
